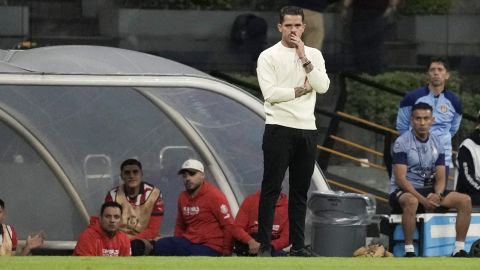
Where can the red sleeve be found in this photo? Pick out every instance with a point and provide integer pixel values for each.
(242, 221)
(125, 249)
(14, 238)
(283, 241)
(221, 210)
(180, 223)
(228, 231)
(86, 245)
(153, 228)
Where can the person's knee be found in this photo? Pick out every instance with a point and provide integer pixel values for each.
(409, 203)
(138, 247)
(162, 247)
(141, 247)
(461, 202)
(465, 202)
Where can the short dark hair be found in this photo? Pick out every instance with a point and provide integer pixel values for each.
(130, 161)
(438, 59)
(290, 10)
(422, 106)
(111, 204)
(2, 204)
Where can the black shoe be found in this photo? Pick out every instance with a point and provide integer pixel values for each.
(303, 252)
(460, 254)
(265, 251)
(410, 254)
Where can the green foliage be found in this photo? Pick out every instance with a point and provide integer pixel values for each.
(471, 105)
(379, 106)
(423, 7)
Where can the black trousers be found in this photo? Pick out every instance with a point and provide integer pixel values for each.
(284, 148)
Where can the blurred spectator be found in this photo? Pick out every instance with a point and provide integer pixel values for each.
(313, 12)
(368, 25)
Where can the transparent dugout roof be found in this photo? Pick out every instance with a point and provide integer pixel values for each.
(90, 130)
(69, 115)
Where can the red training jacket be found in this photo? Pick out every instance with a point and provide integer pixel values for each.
(247, 220)
(95, 242)
(205, 219)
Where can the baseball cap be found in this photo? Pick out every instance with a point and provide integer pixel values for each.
(191, 164)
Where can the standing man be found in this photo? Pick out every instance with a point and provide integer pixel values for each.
(204, 220)
(142, 205)
(468, 159)
(368, 29)
(418, 181)
(447, 109)
(103, 237)
(290, 74)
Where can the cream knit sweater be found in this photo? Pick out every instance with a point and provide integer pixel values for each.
(279, 71)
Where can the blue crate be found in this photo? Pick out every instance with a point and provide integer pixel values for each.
(435, 234)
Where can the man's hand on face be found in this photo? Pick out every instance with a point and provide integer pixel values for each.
(299, 45)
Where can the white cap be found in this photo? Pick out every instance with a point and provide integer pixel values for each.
(191, 164)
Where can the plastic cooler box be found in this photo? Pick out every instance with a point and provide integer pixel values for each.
(434, 234)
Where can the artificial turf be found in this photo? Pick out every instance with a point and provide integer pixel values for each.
(234, 263)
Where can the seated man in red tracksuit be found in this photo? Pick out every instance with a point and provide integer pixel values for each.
(246, 223)
(204, 221)
(103, 236)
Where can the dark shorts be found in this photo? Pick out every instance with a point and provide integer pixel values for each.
(397, 209)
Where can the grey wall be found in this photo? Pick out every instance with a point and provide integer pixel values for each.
(184, 34)
(14, 25)
(202, 38)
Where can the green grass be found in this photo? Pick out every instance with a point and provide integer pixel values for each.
(234, 263)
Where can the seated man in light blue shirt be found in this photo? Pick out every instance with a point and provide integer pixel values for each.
(446, 106)
(418, 180)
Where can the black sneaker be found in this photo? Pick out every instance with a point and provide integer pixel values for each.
(410, 254)
(303, 252)
(461, 254)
